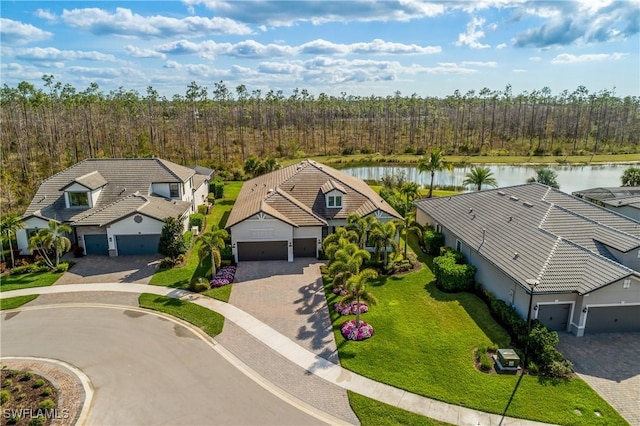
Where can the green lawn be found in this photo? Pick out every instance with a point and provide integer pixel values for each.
(429, 337)
(40, 279)
(376, 413)
(210, 322)
(181, 277)
(16, 302)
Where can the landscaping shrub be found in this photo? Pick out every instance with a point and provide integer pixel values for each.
(46, 391)
(217, 188)
(37, 421)
(63, 266)
(452, 276)
(188, 238)
(203, 209)
(211, 198)
(196, 219)
(38, 383)
(486, 363)
(562, 369)
(7, 383)
(433, 241)
(47, 404)
(167, 263)
(199, 285)
(171, 242)
(224, 276)
(226, 253)
(4, 396)
(351, 332)
(26, 376)
(351, 309)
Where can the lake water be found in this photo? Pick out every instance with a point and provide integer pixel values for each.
(570, 178)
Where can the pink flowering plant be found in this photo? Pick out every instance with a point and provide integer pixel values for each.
(224, 276)
(345, 309)
(339, 290)
(352, 330)
(356, 291)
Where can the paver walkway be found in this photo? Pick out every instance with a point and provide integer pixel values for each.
(305, 359)
(617, 379)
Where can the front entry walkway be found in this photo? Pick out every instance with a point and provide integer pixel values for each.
(609, 363)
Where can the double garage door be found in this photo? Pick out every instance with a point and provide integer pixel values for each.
(137, 244)
(276, 250)
(608, 319)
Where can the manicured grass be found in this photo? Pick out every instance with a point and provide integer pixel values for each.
(210, 322)
(376, 413)
(16, 302)
(220, 293)
(339, 161)
(181, 277)
(429, 338)
(40, 279)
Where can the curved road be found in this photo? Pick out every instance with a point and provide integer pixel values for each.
(145, 368)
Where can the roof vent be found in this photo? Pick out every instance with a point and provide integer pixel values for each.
(527, 204)
(502, 193)
(123, 190)
(515, 255)
(510, 218)
(471, 210)
(513, 198)
(270, 190)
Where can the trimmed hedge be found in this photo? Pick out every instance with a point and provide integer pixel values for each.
(433, 242)
(452, 276)
(217, 188)
(196, 219)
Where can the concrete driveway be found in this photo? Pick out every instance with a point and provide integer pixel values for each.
(145, 369)
(105, 269)
(609, 363)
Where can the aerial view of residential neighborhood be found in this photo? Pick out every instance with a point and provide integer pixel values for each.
(320, 212)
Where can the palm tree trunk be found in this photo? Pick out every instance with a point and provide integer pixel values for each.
(13, 262)
(358, 312)
(431, 185)
(213, 265)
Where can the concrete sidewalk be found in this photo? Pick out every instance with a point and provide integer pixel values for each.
(305, 359)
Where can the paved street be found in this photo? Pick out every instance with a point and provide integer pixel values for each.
(145, 369)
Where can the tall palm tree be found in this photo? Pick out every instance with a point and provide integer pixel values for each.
(211, 242)
(346, 263)
(361, 226)
(432, 164)
(332, 242)
(10, 224)
(479, 176)
(53, 237)
(357, 291)
(411, 191)
(408, 225)
(383, 235)
(545, 176)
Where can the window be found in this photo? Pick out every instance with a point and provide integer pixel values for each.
(332, 201)
(626, 284)
(438, 227)
(78, 199)
(174, 190)
(458, 245)
(338, 201)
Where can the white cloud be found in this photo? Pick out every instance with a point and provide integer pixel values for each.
(137, 52)
(126, 23)
(567, 58)
(14, 32)
(501, 46)
(535, 58)
(473, 34)
(519, 70)
(53, 54)
(45, 14)
(489, 64)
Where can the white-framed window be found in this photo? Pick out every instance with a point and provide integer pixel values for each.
(78, 199)
(174, 190)
(334, 201)
(626, 283)
(438, 228)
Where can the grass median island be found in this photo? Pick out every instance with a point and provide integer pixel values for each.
(16, 302)
(36, 279)
(208, 321)
(430, 336)
(180, 277)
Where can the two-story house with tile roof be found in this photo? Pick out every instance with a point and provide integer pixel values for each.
(581, 261)
(116, 206)
(286, 213)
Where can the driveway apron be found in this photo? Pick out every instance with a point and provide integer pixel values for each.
(104, 269)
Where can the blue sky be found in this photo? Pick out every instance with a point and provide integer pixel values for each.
(358, 47)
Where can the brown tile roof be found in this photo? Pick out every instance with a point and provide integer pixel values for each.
(525, 235)
(93, 180)
(297, 192)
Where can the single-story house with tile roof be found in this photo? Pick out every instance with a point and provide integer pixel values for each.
(585, 259)
(116, 206)
(624, 200)
(286, 213)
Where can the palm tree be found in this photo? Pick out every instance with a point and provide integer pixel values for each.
(10, 224)
(545, 176)
(631, 176)
(479, 176)
(346, 263)
(411, 191)
(357, 291)
(211, 242)
(434, 163)
(332, 242)
(52, 237)
(408, 225)
(361, 226)
(383, 235)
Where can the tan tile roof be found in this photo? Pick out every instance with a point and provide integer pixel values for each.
(93, 180)
(562, 243)
(297, 192)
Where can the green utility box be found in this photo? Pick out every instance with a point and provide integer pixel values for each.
(508, 358)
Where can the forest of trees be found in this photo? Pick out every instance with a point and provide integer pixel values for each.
(45, 130)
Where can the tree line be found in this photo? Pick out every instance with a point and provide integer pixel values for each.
(45, 130)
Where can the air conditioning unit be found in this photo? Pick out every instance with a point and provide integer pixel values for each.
(195, 230)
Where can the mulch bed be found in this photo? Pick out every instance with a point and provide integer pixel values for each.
(26, 392)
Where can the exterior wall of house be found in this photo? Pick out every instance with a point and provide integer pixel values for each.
(261, 227)
(22, 235)
(631, 259)
(200, 194)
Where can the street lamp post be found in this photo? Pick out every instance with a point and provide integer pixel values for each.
(532, 283)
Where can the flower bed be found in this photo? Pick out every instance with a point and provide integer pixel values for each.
(224, 276)
(351, 332)
(343, 309)
(339, 290)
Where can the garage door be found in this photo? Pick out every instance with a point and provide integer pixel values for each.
(137, 244)
(612, 319)
(554, 317)
(266, 250)
(304, 247)
(96, 244)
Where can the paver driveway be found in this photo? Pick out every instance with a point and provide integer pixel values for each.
(105, 269)
(609, 363)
